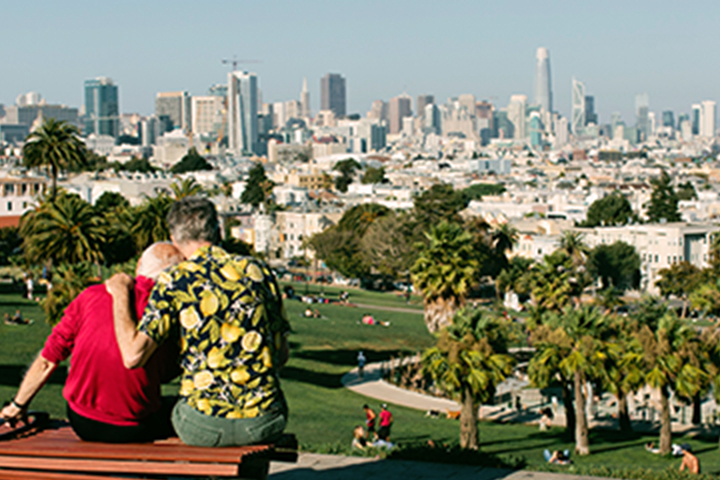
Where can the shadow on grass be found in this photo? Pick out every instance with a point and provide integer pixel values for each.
(11, 375)
(326, 380)
(349, 357)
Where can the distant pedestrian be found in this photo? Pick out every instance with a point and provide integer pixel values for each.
(370, 418)
(361, 363)
(386, 420)
(30, 286)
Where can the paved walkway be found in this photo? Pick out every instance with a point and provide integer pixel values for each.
(312, 466)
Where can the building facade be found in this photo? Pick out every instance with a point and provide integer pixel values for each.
(242, 112)
(543, 90)
(102, 107)
(332, 94)
(176, 106)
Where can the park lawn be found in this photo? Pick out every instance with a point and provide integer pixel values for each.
(357, 295)
(323, 413)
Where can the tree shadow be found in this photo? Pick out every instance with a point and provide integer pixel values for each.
(326, 380)
(12, 375)
(349, 357)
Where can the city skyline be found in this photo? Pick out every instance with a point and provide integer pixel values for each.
(668, 60)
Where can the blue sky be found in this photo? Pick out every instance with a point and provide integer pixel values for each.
(669, 49)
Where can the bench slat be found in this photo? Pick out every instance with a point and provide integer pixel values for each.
(118, 466)
(35, 475)
(63, 443)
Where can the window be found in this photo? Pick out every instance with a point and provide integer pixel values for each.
(657, 258)
(674, 258)
(668, 260)
(9, 206)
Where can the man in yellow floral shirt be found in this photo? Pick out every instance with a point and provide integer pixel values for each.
(228, 313)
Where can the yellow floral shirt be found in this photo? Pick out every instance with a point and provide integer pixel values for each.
(230, 319)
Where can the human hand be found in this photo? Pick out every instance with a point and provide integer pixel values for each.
(119, 284)
(12, 414)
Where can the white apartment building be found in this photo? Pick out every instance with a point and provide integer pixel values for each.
(206, 114)
(17, 197)
(296, 226)
(659, 245)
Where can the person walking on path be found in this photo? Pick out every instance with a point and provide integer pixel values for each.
(361, 363)
(386, 420)
(370, 418)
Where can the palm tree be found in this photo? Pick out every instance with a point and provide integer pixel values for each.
(551, 285)
(56, 145)
(469, 360)
(504, 238)
(150, 224)
(445, 271)
(187, 187)
(665, 342)
(574, 345)
(67, 230)
(572, 243)
(69, 280)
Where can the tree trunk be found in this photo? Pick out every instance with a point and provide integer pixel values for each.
(665, 427)
(697, 409)
(582, 445)
(439, 313)
(468, 421)
(569, 409)
(684, 307)
(623, 415)
(54, 174)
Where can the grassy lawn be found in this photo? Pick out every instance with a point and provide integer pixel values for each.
(383, 299)
(323, 413)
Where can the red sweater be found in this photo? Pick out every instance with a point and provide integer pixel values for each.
(98, 385)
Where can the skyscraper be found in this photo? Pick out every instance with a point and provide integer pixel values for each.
(422, 102)
(668, 119)
(177, 107)
(101, 107)
(242, 112)
(332, 94)
(577, 121)
(695, 119)
(305, 100)
(707, 118)
(543, 90)
(400, 107)
(516, 111)
(642, 104)
(378, 110)
(590, 115)
(432, 119)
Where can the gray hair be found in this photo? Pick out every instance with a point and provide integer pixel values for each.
(193, 219)
(157, 258)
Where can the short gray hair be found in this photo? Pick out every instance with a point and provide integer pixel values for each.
(193, 219)
(157, 258)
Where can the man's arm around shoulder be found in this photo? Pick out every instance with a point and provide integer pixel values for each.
(135, 347)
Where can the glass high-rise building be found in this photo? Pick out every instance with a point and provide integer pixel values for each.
(642, 104)
(543, 89)
(668, 119)
(578, 107)
(101, 107)
(332, 94)
(242, 112)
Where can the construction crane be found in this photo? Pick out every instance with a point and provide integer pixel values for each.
(235, 62)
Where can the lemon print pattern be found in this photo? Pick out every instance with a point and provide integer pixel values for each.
(229, 316)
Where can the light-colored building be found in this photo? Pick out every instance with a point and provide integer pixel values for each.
(207, 114)
(659, 245)
(176, 107)
(707, 118)
(294, 227)
(242, 112)
(399, 108)
(17, 196)
(516, 114)
(577, 120)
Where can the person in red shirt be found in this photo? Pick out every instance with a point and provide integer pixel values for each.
(370, 418)
(386, 420)
(106, 402)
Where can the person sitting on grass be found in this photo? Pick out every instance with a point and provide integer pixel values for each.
(360, 440)
(19, 320)
(689, 462)
(557, 457)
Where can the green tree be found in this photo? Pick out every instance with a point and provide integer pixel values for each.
(680, 279)
(258, 187)
(149, 223)
(141, 165)
(191, 162)
(570, 347)
(347, 170)
(552, 285)
(480, 190)
(69, 280)
(56, 145)
(612, 210)
(440, 202)
(686, 191)
(617, 265)
(663, 202)
(386, 247)
(664, 341)
(188, 187)
(515, 277)
(374, 175)
(445, 272)
(67, 230)
(468, 362)
(10, 244)
(119, 246)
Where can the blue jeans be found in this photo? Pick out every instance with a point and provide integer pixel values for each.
(200, 430)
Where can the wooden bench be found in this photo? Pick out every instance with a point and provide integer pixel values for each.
(56, 453)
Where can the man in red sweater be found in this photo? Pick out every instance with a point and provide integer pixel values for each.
(106, 401)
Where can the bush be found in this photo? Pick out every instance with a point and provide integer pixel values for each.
(629, 473)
